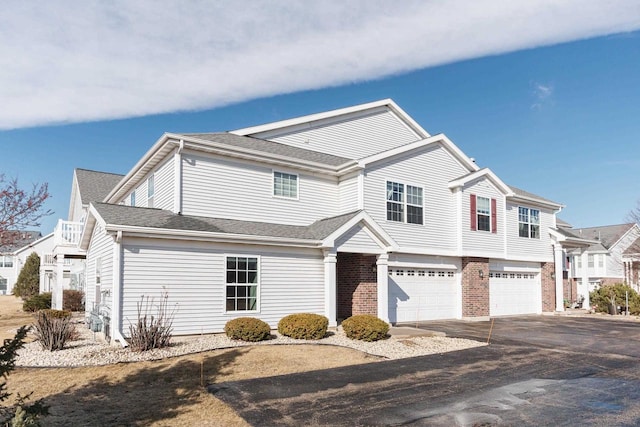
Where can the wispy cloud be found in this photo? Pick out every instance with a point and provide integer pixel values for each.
(68, 61)
(543, 95)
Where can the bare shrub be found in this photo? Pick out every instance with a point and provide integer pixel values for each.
(151, 331)
(73, 300)
(53, 328)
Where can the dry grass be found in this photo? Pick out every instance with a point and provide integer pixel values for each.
(161, 393)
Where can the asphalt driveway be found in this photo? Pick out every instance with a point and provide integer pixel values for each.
(538, 370)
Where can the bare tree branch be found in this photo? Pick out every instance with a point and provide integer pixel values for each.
(20, 209)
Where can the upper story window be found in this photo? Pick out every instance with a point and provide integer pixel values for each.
(529, 223)
(590, 262)
(578, 259)
(98, 276)
(150, 190)
(132, 201)
(242, 283)
(6, 261)
(285, 185)
(405, 203)
(601, 260)
(483, 210)
(483, 213)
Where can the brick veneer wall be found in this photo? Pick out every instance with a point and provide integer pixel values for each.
(548, 286)
(570, 290)
(357, 285)
(475, 291)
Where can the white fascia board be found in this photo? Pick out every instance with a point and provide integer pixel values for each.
(440, 138)
(633, 228)
(484, 172)
(571, 242)
(310, 118)
(93, 218)
(372, 226)
(260, 156)
(422, 133)
(530, 200)
(167, 233)
(151, 158)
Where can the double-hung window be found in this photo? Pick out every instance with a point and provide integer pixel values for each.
(483, 212)
(285, 185)
(8, 261)
(528, 223)
(242, 283)
(405, 203)
(132, 201)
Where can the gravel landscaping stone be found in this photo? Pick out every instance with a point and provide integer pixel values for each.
(90, 350)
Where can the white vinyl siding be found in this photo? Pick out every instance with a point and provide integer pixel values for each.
(101, 248)
(353, 138)
(194, 276)
(523, 248)
(430, 168)
(164, 185)
(476, 242)
(348, 194)
(216, 187)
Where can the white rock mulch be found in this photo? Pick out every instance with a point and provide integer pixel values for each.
(92, 351)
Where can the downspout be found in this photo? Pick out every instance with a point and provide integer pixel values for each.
(177, 172)
(117, 287)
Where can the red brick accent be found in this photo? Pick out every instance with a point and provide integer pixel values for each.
(570, 290)
(357, 284)
(548, 286)
(475, 290)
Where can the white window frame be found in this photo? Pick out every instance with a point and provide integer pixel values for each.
(483, 213)
(284, 196)
(132, 198)
(3, 261)
(601, 261)
(591, 263)
(151, 189)
(404, 204)
(98, 271)
(227, 283)
(528, 222)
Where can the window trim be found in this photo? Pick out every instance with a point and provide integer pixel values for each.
(493, 213)
(479, 214)
(258, 284)
(273, 185)
(529, 223)
(405, 204)
(132, 198)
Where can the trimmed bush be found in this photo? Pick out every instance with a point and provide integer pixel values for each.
(28, 282)
(247, 329)
(365, 327)
(72, 300)
(37, 302)
(601, 298)
(53, 328)
(304, 326)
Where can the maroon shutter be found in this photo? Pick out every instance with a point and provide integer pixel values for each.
(494, 217)
(474, 217)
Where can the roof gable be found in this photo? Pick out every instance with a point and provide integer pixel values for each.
(94, 186)
(607, 235)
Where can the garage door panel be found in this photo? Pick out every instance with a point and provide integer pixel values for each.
(512, 293)
(422, 295)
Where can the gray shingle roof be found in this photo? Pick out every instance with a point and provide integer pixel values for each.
(11, 241)
(523, 193)
(607, 235)
(634, 248)
(158, 218)
(94, 186)
(270, 147)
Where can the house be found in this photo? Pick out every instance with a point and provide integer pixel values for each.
(355, 210)
(9, 264)
(608, 259)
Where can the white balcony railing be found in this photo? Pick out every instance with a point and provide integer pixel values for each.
(67, 233)
(50, 260)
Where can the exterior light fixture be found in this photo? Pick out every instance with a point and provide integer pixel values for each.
(553, 275)
(481, 274)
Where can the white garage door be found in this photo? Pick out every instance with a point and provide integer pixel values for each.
(514, 293)
(422, 294)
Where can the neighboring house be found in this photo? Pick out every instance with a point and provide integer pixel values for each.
(356, 210)
(64, 265)
(603, 261)
(9, 267)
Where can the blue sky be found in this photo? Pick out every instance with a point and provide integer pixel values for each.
(553, 110)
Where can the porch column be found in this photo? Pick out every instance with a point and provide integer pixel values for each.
(330, 260)
(42, 285)
(559, 264)
(57, 294)
(383, 286)
(585, 281)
